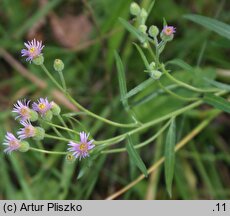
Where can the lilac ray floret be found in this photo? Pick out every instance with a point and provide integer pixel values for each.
(22, 109)
(169, 30)
(42, 106)
(34, 49)
(27, 131)
(12, 143)
(81, 150)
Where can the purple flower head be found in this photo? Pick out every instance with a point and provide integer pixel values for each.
(169, 30)
(22, 109)
(27, 131)
(81, 150)
(11, 142)
(42, 106)
(33, 50)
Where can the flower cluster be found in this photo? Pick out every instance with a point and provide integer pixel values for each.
(26, 115)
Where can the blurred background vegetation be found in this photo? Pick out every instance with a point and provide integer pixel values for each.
(84, 34)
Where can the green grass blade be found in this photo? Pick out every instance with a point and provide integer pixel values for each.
(135, 157)
(122, 80)
(211, 24)
(218, 102)
(151, 7)
(170, 156)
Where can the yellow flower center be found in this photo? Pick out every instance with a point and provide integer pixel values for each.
(42, 106)
(32, 50)
(24, 111)
(83, 147)
(28, 130)
(13, 143)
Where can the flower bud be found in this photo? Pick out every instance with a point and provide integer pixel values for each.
(55, 108)
(39, 133)
(153, 31)
(58, 65)
(143, 15)
(70, 158)
(143, 28)
(24, 146)
(38, 60)
(155, 74)
(134, 9)
(48, 115)
(33, 116)
(152, 65)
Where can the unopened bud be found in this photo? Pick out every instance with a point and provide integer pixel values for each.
(153, 31)
(55, 108)
(58, 65)
(70, 158)
(156, 74)
(134, 8)
(143, 28)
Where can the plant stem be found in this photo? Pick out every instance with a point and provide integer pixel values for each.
(48, 152)
(185, 85)
(141, 144)
(83, 108)
(174, 94)
(57, 138)
(62, 80)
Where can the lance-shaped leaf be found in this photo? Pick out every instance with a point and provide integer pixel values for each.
(211, 24)
(218, 102)
(135, 157)
(170, 156)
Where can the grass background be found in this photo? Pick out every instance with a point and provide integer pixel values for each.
(202, 167)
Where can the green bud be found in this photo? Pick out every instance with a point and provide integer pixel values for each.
(39, 133)
(38, 60)
(25, 146)
(152, 65)
(134, 8)
(33, 116)
(48, 115)
(153, 31)
(55, 108)
(143, 15)
(58, 65)
(145, 45)
(70, 158)
(143, 28)
(155, 74)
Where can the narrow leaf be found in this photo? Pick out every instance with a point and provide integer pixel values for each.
(182, 64)
(151, 7)
(218, 102)
(135, 157)
(122, 80)
(170, 156)
(139, 87)
(211, 24)
(133, 30)
(143, 56)
(219, 85)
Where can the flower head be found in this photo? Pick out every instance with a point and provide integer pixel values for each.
(11, 142)
(81, 150)
(27, 131)
(22, 109)
(169, 30)
(33, 50)
(42, 106)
